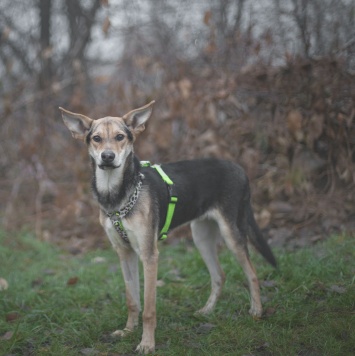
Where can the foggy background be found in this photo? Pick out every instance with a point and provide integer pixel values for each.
(268, 84)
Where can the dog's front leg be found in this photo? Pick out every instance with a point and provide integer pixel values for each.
(150, 268)
(130, 272)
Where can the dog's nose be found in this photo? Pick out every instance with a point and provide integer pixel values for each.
(107, 156)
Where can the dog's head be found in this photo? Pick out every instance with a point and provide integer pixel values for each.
(110, 139)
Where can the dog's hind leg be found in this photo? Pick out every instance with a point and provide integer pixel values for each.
(206, 235)
(130, 271)
(237, 243)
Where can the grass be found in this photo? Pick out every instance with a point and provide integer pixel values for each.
(59, 304)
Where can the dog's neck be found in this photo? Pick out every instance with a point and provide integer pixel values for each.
(113, 188)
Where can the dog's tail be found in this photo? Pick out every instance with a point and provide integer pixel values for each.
(257, 239)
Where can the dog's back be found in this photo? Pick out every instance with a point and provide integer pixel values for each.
(207, 185)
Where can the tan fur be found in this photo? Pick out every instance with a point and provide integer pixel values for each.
(108, 128)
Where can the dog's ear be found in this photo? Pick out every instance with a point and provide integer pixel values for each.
(136, 119)
(79, 125)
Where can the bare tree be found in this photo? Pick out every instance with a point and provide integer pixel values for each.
(81, 21)
(29, 44)
(301, 17)
(45, 13)
(323, 27)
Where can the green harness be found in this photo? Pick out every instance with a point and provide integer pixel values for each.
(172, 199)
(117, 216)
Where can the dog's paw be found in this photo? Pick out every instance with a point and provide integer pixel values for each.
(145, 348)
(205, 311)
(121, 333)
(256, 313)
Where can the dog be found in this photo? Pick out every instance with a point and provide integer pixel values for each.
(212, 195)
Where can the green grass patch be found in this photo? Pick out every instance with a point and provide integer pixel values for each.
(59, 304)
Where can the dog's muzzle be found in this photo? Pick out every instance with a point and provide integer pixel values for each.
(107, 158)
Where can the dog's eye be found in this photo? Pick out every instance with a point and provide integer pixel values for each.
(97, 138)
(119, 137)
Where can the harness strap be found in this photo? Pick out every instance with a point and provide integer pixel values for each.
(164, 176)
(169, 217)
(172, 198)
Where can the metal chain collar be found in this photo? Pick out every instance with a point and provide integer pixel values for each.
(116, 216)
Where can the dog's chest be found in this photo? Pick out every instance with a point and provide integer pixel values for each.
(133, 227)
(107, 181)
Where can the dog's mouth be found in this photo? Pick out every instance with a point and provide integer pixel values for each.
(108, 166)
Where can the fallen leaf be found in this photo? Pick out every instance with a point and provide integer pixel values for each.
(98, 259)
(72, 281)
(316, 238)
(10, 317)
(3, 284)
(262, 347)
(37, 282)
(7, 336)
(89, 351)
(270, 311)
(268, 284)
(263, 218)
(294, 123)
(204, 328)
(194, 345)
(48, 272)
(337, 289)
(160, 283)
(74, 250)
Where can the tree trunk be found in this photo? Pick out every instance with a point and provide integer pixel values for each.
(46, 74)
